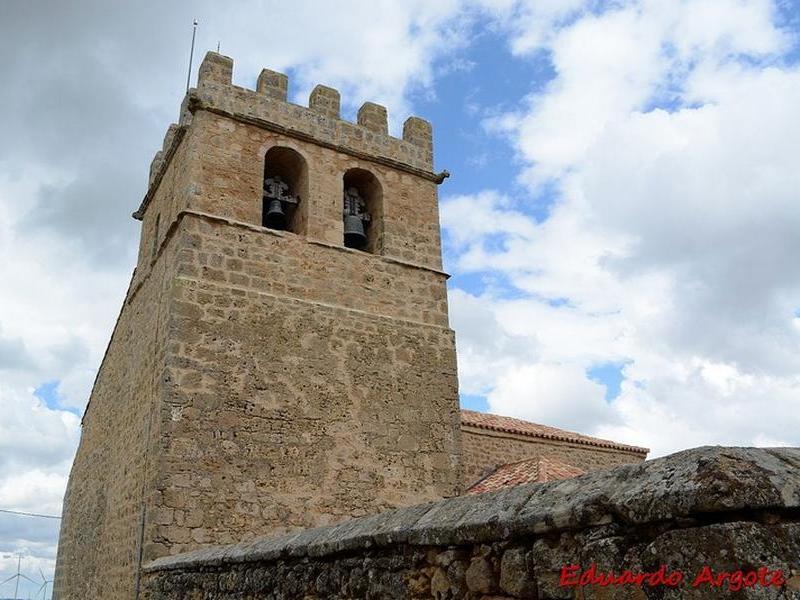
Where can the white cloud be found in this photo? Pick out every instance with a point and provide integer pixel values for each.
(483, 216)
(35, 490)
(532, 23)
(59, 306)
(672, 240)
(611, 64)
(484, 347)
(328, 43)
(36, 447)
(539, 392)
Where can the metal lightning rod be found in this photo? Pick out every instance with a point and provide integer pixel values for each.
(191, 54)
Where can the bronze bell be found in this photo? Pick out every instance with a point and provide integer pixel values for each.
(276, 216)
(355, 216)
(354, 235)
(277, 200)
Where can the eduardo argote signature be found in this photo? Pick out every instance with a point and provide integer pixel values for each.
(574, 576)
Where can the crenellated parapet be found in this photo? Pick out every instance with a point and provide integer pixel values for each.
(373, 117)
(159, 159)
(215, 80)
(273, 84)
(320, 122)
(268, 102)
(215, 89)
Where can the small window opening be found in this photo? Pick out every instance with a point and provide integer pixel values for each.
(356, 219)
(362, 211)
(285, 187)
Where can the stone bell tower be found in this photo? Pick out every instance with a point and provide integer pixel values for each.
(283, 357)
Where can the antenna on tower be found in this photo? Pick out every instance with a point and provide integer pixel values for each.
(191, 54)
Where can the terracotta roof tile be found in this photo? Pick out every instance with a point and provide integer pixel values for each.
(530, 470)
(518, 426)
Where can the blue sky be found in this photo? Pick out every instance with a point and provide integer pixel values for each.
(620, 225)
(485, 79)
(48, 393)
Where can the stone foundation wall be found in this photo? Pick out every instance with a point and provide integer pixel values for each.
(702, 512)
(484, 449)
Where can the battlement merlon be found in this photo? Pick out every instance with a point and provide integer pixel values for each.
(319, 123)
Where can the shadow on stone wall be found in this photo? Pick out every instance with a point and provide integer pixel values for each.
(702, 512)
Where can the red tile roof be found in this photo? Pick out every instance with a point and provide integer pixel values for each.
(530, 470)
(520, 427)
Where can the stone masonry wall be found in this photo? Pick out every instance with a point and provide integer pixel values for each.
(229, 183)
(721, 509)
(281, 264)
(287, 410)
(229, 129)
(261, 381)
(484, 449)
(106, 497)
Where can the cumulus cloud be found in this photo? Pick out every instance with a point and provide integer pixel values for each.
(484, 349)
(540, 391)
(670, 135)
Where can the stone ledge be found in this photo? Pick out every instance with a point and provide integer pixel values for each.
(707, 484)
(137, 283)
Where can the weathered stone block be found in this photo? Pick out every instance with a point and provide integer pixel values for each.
(418, 132)
(480, 576)
(516, 574)
(215, 69)
(325, 101)
(273, 84)
(373, 117)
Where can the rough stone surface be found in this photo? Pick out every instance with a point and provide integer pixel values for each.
(373, 117)
(729, 509)
(257, 381)
(272, 84)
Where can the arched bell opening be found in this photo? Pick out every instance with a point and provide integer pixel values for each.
(362, 211)
(285, 192)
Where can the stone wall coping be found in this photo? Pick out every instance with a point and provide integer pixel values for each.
(699, 483)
